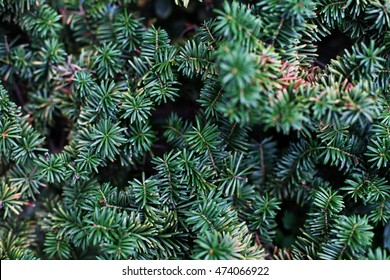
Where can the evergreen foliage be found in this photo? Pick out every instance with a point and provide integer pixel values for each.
(118, 142)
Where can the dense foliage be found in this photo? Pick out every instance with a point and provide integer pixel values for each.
(230, 141)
